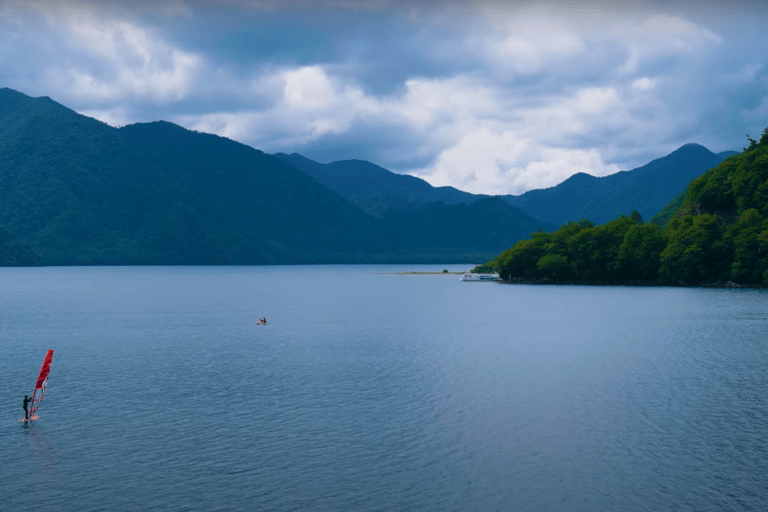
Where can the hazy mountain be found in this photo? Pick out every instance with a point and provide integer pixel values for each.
(419, 215)
(646, 189)
(367, 183)
(488, 224)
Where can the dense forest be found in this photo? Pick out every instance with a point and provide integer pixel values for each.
(718, 233)
(16, 253)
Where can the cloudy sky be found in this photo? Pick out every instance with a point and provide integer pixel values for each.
(488, 96)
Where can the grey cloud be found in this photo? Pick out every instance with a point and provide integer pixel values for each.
(712, 88)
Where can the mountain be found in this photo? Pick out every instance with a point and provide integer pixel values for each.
(646, 189)
(15, 253)
(365, 183)
(420, 216)
(82, 192)
(487, 225)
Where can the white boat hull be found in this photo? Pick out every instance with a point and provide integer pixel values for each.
(469, 276)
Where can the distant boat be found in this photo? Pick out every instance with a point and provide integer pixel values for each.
(469, 276)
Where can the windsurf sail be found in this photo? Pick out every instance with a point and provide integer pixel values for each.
(42, 381)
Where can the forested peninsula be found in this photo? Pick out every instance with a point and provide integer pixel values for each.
(715, 233)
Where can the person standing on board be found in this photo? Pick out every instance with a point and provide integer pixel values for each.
(26, 402)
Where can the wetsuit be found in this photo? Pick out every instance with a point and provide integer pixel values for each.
(26, 411)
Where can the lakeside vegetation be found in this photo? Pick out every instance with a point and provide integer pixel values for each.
(717, 233)
(16, 253)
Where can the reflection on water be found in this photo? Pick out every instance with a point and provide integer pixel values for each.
(41, 451)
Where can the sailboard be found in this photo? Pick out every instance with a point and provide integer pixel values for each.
(42, 382)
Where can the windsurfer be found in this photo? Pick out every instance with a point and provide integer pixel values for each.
(26, 402)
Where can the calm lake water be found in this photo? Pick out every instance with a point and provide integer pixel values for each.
(370, 391)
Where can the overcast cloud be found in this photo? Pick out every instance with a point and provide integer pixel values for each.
(489, 97)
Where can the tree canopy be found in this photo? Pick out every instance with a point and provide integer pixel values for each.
(16, 253)
(717, 233)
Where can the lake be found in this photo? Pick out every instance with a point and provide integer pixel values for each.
(374, 391)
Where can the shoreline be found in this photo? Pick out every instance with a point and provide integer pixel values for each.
(419, 273)
(639, 282)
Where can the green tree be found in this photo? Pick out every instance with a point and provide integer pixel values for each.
(593, 251)
(713, 189)
(752, 143)
(520, 260)
(554, 266)
(696, 251)
(748, 178)
(750, 255)
(16, 253)
(638, 255)
(764, 137)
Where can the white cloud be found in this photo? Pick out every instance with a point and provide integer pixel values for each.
(478, 138)
(306, 104)
(489, 162)
(644, 83)
(521, 149)
(354, 5)
(114, 116)
(111, 59)
(528, 47)
(661, 36)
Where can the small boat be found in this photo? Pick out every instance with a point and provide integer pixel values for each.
(469, 276)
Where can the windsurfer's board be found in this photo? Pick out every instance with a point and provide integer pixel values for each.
(30, 418)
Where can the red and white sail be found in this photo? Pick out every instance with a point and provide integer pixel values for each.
(42, 381)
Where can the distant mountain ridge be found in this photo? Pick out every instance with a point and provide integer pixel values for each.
(361, 180)
(419, 215)
(82, 192)
(646, 189)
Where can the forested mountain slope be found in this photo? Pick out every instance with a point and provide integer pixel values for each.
(365, 183)
(82, 192)
(15, 253)
(421, 216)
